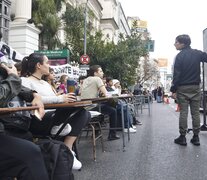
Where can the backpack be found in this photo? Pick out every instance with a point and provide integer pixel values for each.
(19, 120)
(58, 159)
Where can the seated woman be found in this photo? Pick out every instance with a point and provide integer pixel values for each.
(63, 83)
(18, 157)
(50, 78)
(34, 67)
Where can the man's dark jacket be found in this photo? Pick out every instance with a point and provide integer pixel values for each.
(187, 67)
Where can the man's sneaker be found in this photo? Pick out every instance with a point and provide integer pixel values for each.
(131, 130)
(195, 140)
(134, 127)
(112, 137)
(181, 140)
(66, 130)
(138, 123)
(76, 163)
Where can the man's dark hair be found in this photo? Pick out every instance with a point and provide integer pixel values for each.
(108, 79)
(93, 69)
(81, 78)
(184, 39)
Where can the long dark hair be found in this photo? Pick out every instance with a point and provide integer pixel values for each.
(45, 77)
(29, 63)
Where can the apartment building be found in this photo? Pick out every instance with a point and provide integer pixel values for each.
(108, 17)
(5, 6)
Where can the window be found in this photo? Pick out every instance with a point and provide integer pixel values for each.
(5, 10)
(0, 8)
(6, 23)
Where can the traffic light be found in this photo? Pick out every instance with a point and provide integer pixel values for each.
(151, 45)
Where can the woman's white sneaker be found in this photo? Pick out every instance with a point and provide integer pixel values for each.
(66, 130)
(76, 163)
(134, 127)
(131, 130)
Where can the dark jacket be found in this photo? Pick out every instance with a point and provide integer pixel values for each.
(187, 68)
(13, 94)
(11, 87)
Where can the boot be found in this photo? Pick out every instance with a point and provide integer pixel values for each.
(181, 140)
(195, 140)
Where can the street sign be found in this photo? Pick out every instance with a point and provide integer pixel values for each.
(84, 59)
(55, 54)
(84, 67)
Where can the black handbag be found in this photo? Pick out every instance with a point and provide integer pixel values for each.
(18, 120)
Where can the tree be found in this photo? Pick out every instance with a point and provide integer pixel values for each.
(74, 28)
(148, 72)
(45, 17)
(119, 61)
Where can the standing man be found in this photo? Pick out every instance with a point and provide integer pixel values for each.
(186, 86)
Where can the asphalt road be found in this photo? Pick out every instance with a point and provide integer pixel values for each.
(150, 154)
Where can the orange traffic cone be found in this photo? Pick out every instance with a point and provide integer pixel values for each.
(177, 108)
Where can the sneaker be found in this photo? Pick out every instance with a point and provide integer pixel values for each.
(112, 137)
(181, 140)
(131, 130)
(76, 163)
(134, 127)
(137, 122)
(66, 130)
(195, 140)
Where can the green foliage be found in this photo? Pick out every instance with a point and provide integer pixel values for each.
(74, 28)
(117, 60)
(58, 4)
(44, 14)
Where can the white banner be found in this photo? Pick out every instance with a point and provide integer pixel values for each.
(10, 53)
(72, 71)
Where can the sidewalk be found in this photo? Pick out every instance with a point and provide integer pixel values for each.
(150, 154)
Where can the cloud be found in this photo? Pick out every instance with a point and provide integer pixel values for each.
(167, 19)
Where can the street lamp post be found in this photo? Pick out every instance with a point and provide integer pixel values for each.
(85, 23)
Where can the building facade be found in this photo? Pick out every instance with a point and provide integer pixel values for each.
(109, 20)
(108, 16)
(122, 23)
(5, 9)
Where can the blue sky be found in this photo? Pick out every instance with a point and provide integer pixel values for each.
(169, 18)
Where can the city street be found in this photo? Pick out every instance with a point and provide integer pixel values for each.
(150, 154)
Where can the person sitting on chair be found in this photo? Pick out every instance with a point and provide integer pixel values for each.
(34, 67)
(19, 158)
(91, 88)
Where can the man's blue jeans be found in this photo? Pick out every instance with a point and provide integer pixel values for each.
(111, 111)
